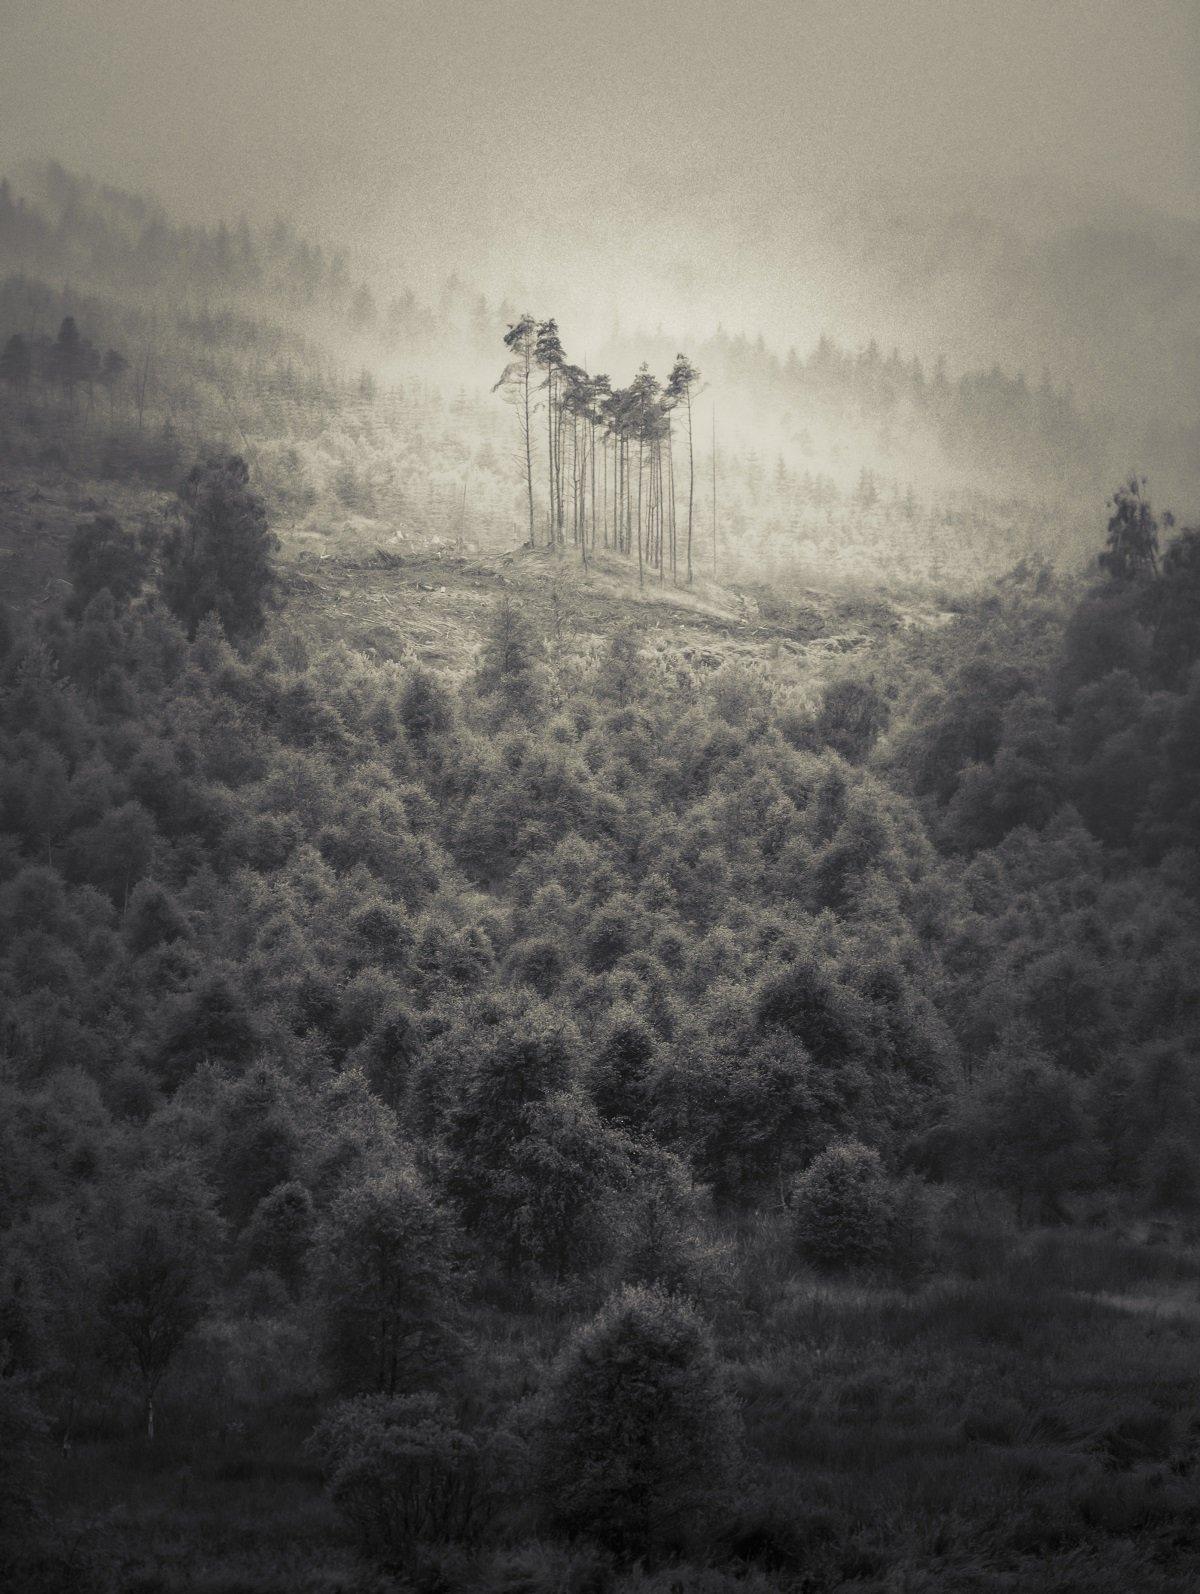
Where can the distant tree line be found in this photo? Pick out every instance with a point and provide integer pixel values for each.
(68, 367)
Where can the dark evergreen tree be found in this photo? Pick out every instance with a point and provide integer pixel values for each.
(1132, 550)
(217, 557)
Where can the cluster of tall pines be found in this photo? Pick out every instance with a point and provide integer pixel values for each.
(633, 428)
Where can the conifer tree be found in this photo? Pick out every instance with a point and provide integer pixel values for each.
(548, 352)
(521, 342)
(217, 558)
(682, 385)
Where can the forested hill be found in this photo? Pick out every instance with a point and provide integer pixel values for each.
(598, 1118)
(365, 408)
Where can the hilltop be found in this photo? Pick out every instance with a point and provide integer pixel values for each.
(431, 605)
(364, 412)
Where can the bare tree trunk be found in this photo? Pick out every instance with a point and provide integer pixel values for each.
(621, 506)
(628, 502)
(652, 510)
(528, 453)
(141, 382)
(714, 488)
(691, 482)
(658, 499)
(619, 498)
(671, 502)
(550, 449)
(605, 495)
(641, 451)
(560, 449)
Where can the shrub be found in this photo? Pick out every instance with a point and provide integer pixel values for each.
(22, 1461)
(843, 1207)
(910, 1248)
(402, 1474)
(639, 1435)
(851, 717)
(1173, 1175)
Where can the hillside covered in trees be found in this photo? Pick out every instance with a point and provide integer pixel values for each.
(602, 1118)
(599, 797)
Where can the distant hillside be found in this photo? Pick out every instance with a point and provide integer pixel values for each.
(368, 417)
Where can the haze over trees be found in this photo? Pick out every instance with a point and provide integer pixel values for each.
(633, 429)
(362, 405)
(588, 1001)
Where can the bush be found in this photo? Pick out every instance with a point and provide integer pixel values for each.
(843, 1207)
(402, 1475)
(851, 717)
(1173, 1175)
(639, 1435)
(910, 1250)
(22, 1461)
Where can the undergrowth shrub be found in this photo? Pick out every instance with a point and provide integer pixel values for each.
(843, 1207)
(402, 1475)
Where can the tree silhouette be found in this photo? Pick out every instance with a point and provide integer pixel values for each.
(521, 342)
(548, 353)
(683, 384)
(217, 558)
(639, 1434)
(16, 365)
(1132, 550)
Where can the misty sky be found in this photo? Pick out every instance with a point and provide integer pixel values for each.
(308, 105)
(680, 163)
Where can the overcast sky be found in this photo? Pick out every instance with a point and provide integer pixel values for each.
(310, 104)
(769, 164)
